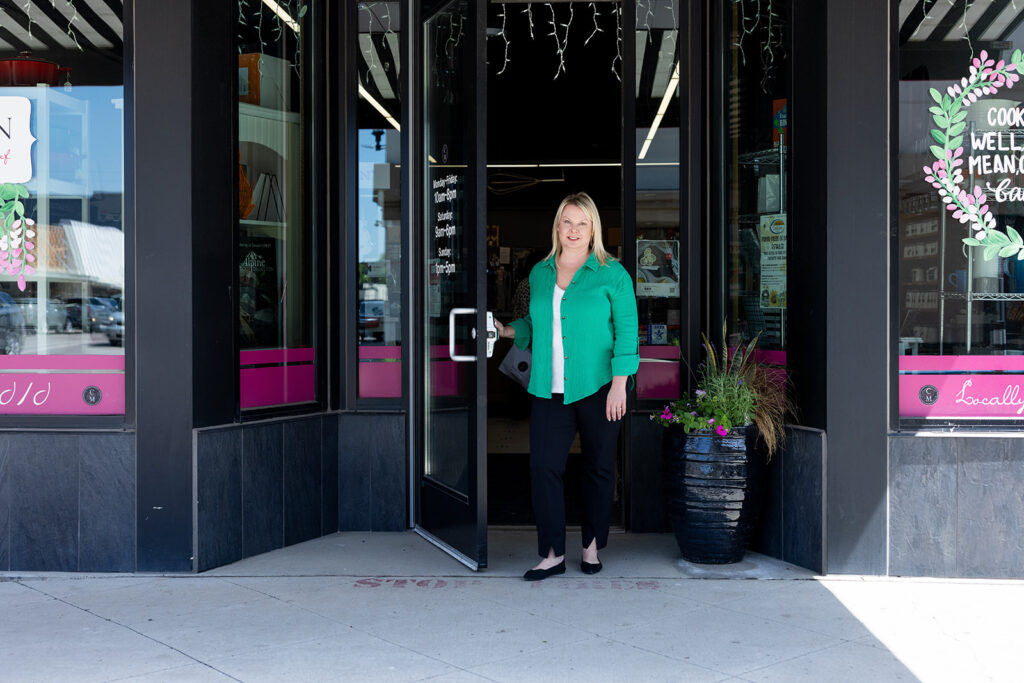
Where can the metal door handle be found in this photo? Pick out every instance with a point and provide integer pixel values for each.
(451, 335)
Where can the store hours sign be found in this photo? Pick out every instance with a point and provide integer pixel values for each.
(445, 194)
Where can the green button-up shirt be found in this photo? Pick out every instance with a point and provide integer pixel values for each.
(599, 327)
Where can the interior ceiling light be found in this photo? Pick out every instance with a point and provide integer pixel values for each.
(377, 105)
(614, 163)
(505, 183)
(285, 17)
(673, 83)
(611, 164)
(565, 165)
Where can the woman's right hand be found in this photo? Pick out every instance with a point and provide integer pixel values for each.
(504, 331)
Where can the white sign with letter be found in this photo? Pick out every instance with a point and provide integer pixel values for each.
(15, 140)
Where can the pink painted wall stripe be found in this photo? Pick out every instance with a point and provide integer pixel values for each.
(76, 362)
(380, 380)
(772, 357)
(277, 385)
(268, 356)
(375, 352)
(61, 394)
(658, 377)
(961, 363)
(669, 352)
(962, 396)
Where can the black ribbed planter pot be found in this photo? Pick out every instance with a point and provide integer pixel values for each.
(715, 486)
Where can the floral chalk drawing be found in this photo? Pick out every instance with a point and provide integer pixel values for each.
(946, 174)
(16, 234)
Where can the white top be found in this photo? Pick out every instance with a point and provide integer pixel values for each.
(557, 353)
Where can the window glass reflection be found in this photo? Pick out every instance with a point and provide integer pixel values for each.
(61, 213)
(379, 271)
(275, 235)
(961, 135)
(658, 286)
(756, 140)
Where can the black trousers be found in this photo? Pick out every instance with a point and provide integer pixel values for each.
(553, 425)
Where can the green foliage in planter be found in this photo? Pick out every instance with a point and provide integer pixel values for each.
(733, 391)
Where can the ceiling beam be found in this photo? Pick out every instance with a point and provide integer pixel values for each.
(61, 22)
(953, 17)
(116, 6)
(101, 27)
(14, 40)
(986, 19)
(1012, 26)
(912, 23)
(17, 14)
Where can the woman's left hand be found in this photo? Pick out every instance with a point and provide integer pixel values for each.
(615, 405)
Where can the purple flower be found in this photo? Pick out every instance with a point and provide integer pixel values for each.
(721, 431)
(701, 393)
(711, 421)
(667, 415)
(693, 413)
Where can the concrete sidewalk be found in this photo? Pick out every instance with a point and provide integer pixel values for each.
(368, 607)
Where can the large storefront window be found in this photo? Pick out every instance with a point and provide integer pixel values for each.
(380, 201)
(275, 227)
(62, 209)
(756, 167)
(657, 199)
(960, 257)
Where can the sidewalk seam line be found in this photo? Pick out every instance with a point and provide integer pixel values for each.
(129, 628)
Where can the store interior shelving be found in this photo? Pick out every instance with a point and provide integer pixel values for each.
(759, 165)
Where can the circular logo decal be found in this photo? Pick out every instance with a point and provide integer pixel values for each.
(444, 153)
(928, 395)
(92, 395)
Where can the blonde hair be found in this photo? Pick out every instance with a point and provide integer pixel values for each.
(583, 202)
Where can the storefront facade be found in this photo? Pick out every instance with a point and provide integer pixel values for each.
(261, 223)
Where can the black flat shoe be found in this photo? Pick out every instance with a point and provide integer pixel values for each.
(588, 568)
(539, 574)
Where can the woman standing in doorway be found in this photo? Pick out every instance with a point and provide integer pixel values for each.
(583, 325)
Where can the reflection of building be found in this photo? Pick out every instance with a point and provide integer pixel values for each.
(83, 252)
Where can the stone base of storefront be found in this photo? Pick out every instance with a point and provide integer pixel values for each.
(269, 484)
(67, 501)
(792, 528)
(956, 505)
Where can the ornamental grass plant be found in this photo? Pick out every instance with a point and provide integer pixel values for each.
(733, 391)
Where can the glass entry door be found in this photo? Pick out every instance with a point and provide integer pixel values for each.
(451, 473)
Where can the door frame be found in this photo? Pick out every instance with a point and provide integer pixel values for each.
(696, 232)
(414, 213)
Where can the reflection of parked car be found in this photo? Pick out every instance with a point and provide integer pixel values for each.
(56, 316)
(12, 325)
(89, 319)
(371, 319)
(112, 324)
(74, 316)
